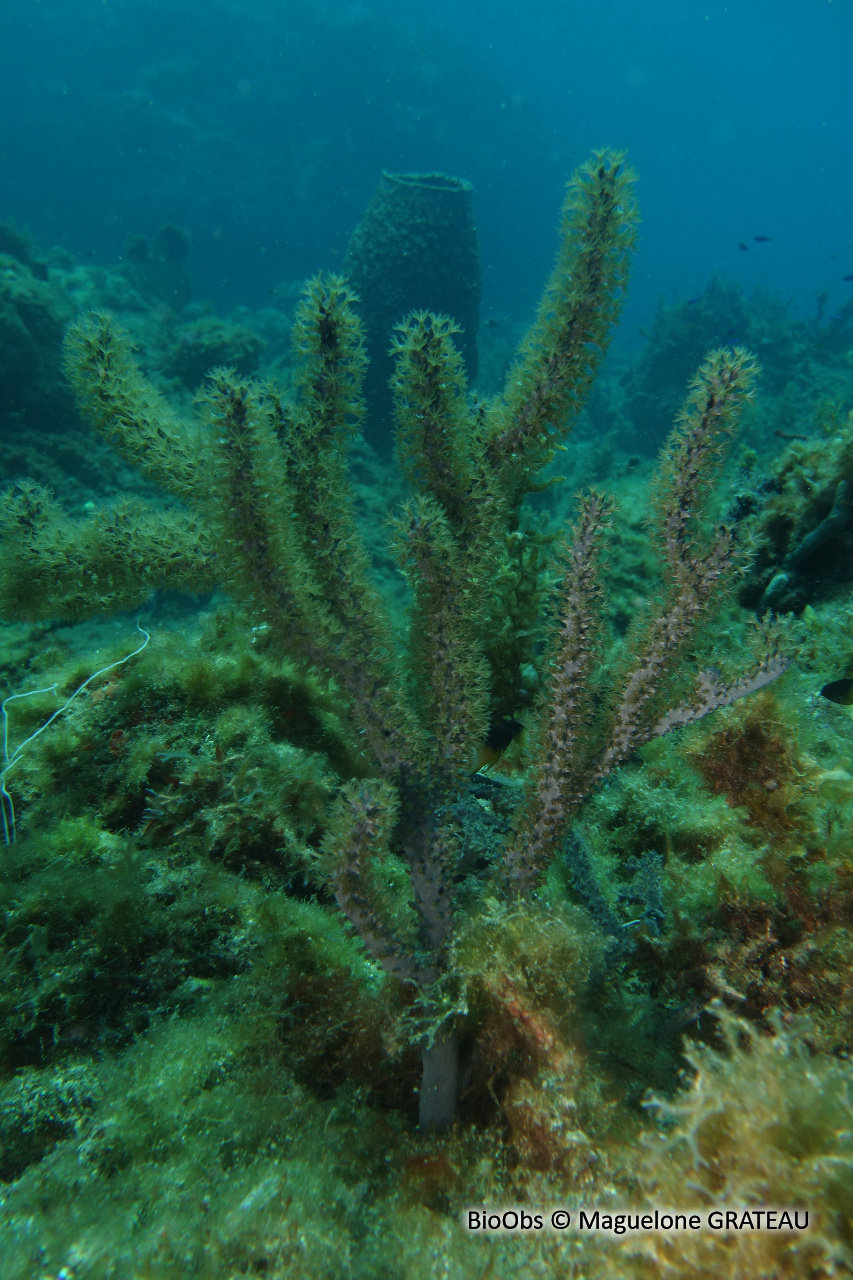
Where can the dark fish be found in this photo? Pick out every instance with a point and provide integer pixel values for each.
(839, 691)
(847, 277)
(789, 435)
(761, 239)
(500, 735)
(691, 302)
(741, 245)
(498, 738)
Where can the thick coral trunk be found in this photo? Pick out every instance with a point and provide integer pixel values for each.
(440, 1084)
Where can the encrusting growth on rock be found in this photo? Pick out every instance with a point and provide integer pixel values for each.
(269, 518)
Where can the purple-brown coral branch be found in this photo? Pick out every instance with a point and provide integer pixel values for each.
(557, 786)
(712, 693)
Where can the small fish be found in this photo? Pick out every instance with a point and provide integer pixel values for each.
(846, 278)
(762, 239)
(741, 245)
(839, 691)
(497, 740)
(691, 302)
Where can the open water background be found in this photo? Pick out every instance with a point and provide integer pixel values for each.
(263, 127)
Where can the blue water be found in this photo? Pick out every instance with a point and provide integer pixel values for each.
(262, 128)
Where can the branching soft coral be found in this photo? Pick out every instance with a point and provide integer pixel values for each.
(271, 521)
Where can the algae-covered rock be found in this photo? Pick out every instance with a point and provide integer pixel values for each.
(33, 316)
(208, 343)
(803, 520)
(684, 330)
